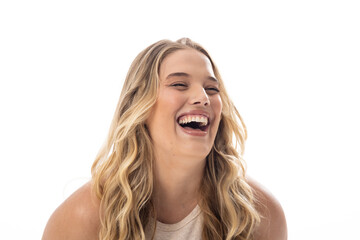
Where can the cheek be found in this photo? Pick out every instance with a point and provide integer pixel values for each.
(170, 103)
(166, 109)
(171, 98)
(217, 105)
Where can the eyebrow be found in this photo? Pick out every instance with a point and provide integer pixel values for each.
(183, 74)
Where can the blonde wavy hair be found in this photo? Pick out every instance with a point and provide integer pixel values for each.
(123, 169)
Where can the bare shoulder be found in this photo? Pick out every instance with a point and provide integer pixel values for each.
(273, 222)
(76, 218)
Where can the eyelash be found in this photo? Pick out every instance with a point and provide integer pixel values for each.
(184, 85)
(179, 85)
(213, 89)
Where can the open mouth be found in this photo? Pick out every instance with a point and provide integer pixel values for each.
(194, 122)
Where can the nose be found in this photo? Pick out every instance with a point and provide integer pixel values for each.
(200, 97)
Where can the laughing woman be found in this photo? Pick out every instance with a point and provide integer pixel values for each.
(169, 168)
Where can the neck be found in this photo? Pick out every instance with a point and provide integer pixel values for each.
(176, 187)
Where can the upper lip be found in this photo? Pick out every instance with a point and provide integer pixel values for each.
(195, 112)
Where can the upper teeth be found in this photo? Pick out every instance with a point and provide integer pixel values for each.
(194, 118)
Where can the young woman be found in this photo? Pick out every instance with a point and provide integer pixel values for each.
(169, 168)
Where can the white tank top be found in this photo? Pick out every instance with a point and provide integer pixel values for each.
(188, 228)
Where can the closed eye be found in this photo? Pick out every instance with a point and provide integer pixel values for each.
(179, 85)
(213, 90)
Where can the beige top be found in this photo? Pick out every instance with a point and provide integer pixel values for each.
(188, 228)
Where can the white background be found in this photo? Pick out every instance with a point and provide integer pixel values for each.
(291, 67)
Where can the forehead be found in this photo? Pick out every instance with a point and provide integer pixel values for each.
(189, 61)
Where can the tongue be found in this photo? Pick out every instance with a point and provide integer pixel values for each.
(192, 129)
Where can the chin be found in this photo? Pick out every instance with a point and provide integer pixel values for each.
(196, 151)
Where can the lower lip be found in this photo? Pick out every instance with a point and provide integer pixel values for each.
(194, 132)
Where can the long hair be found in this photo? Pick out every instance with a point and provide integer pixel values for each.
(123, 169)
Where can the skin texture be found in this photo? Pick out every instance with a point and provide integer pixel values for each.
(193, 89)
(76, 218)
(187, 83)
(273, 222)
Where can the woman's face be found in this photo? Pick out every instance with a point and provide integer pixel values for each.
(185, 119)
